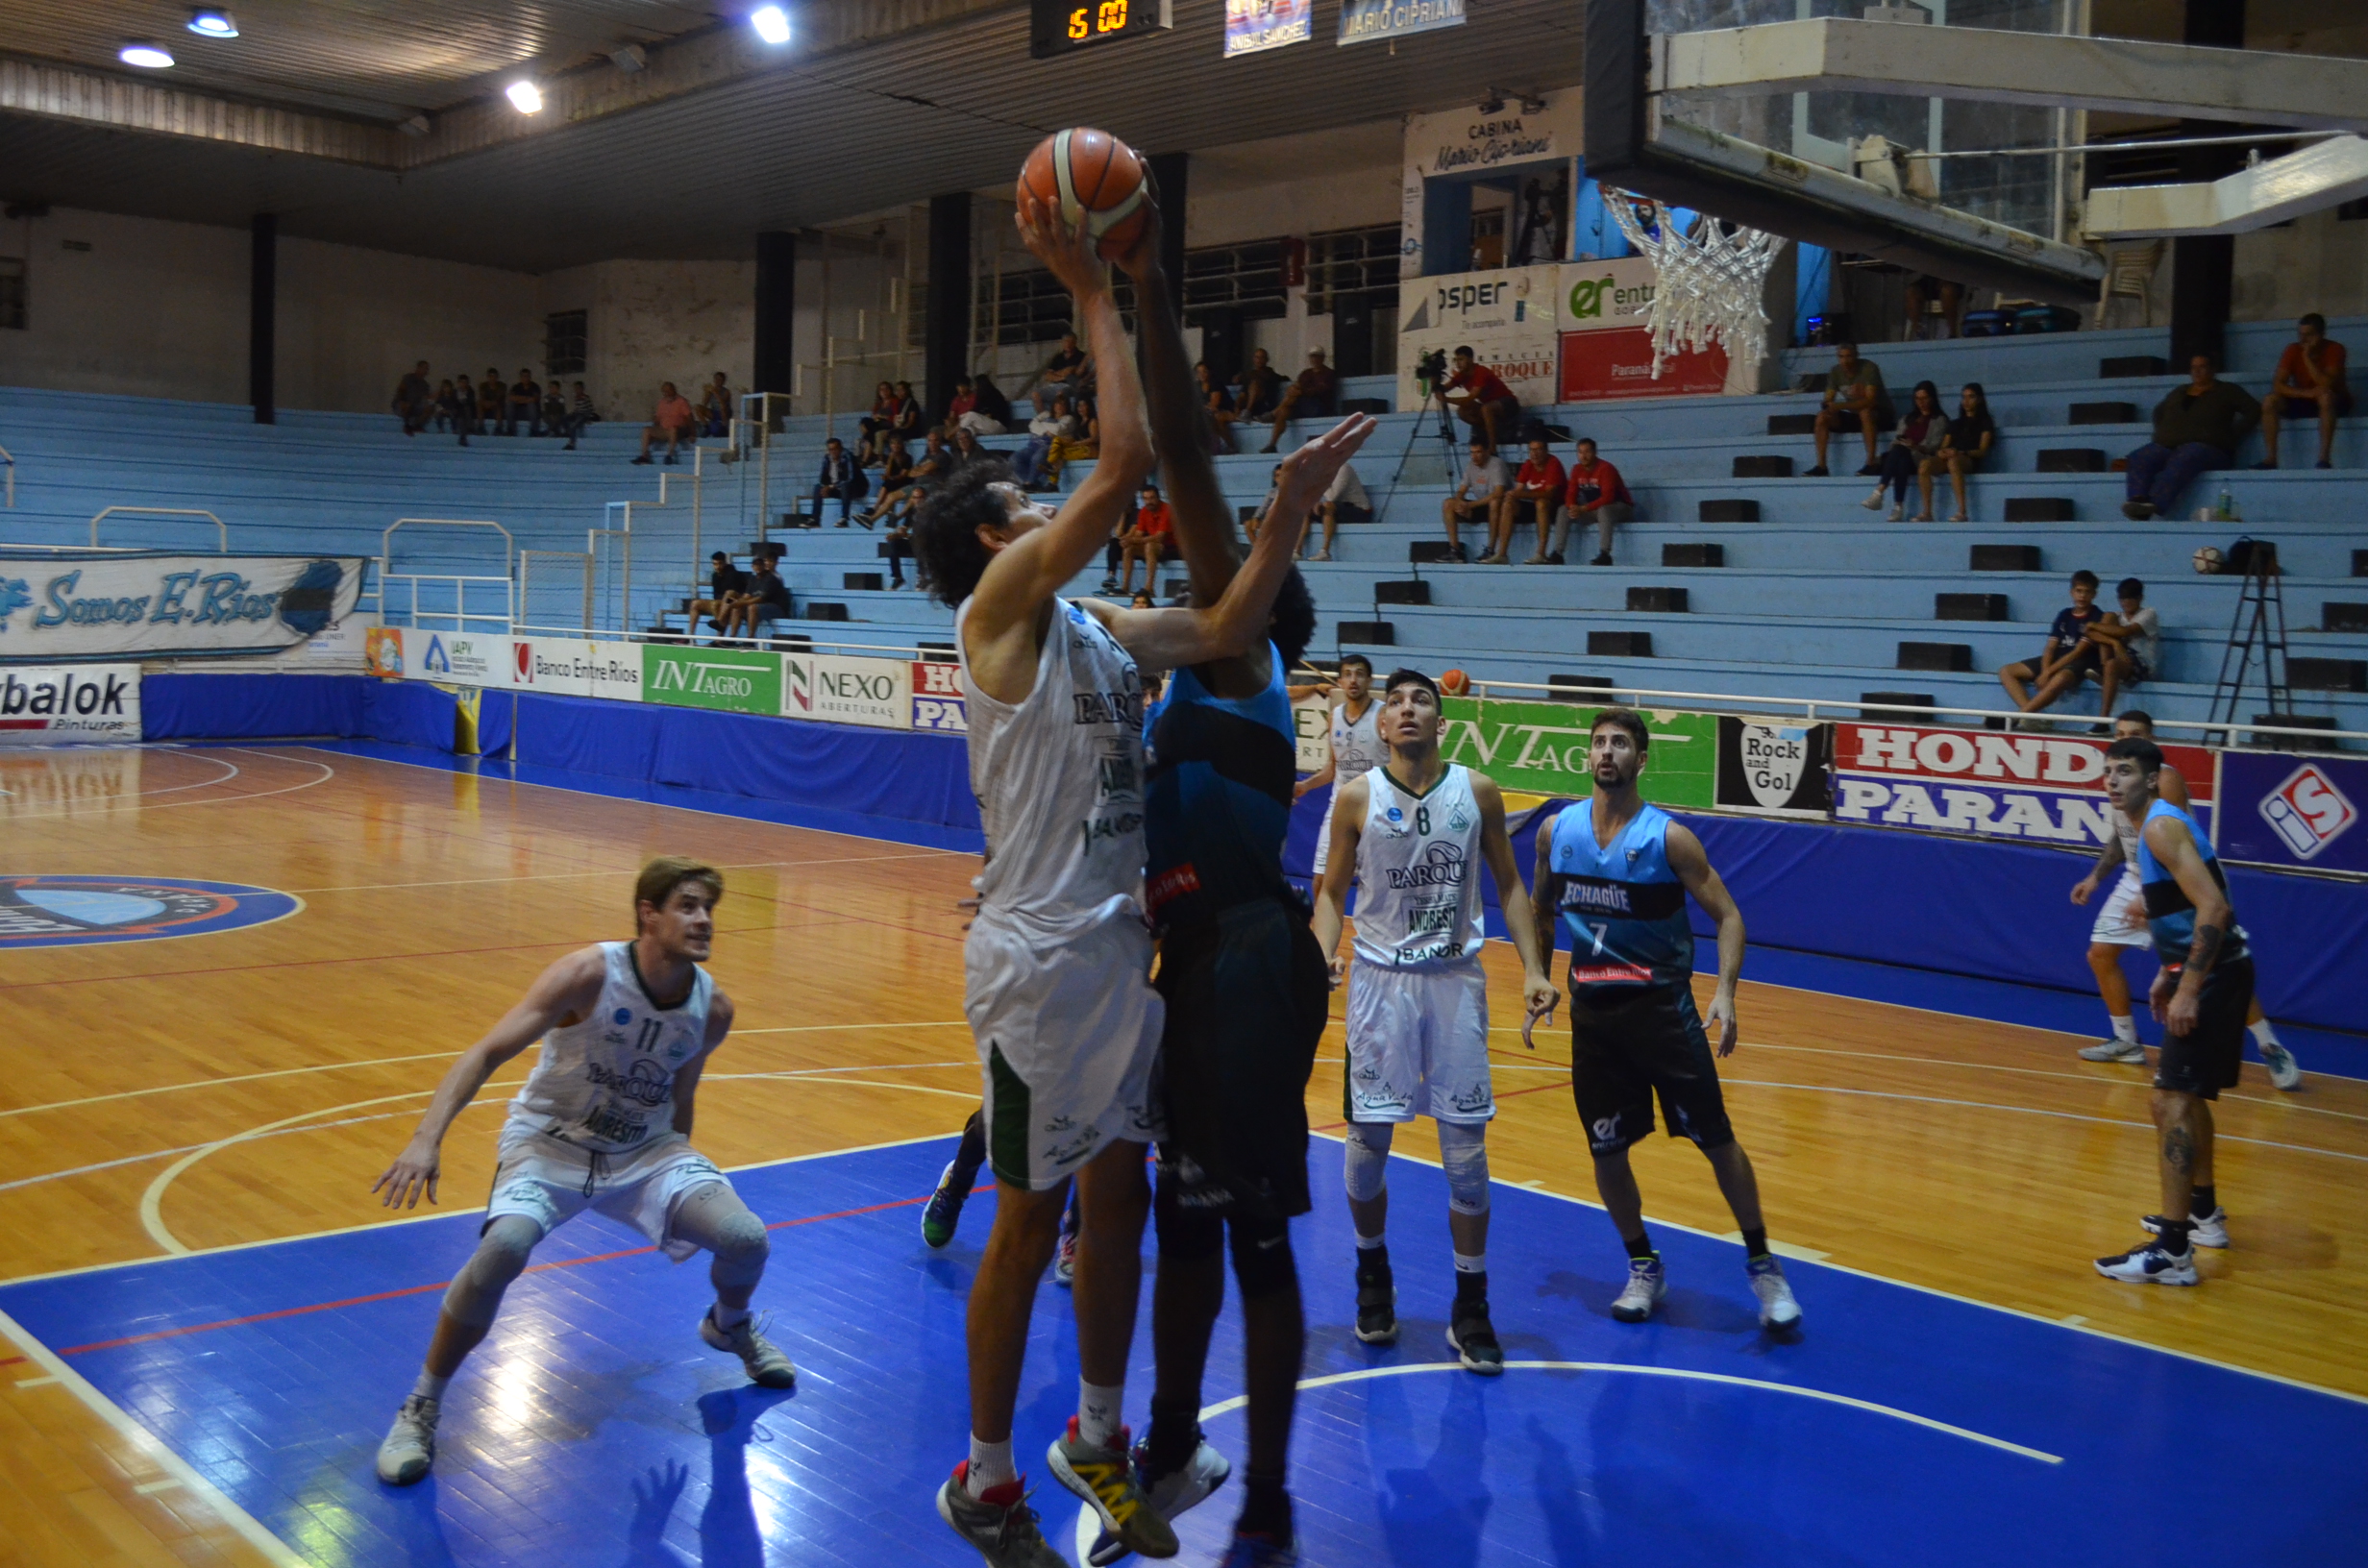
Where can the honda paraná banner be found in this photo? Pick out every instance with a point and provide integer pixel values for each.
(2281, 809)
(938, 702)
(72, 705)
(58, 607)
(2046, 789)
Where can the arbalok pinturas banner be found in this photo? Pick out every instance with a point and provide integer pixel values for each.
(67, 607)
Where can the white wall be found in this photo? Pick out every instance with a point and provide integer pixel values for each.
(652, 321)
(352, 321)
(155, 309)
(2321, 263)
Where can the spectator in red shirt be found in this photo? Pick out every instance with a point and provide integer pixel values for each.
(2310, 381)
(1315, 395)
(1482, 400)
(1540, 483)
(1145, 540)
(676, 419)
(1596, 492)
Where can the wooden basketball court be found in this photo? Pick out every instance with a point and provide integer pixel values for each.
(246, 1086)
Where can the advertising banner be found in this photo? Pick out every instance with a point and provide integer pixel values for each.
(1540, 747)
(733, 679)
(69, 705)
(2288, 810)
(458, 658)
(1312, 718)
(1775, 770)
(848, 691)
(381, 652)
(1618, 363)
(937, 698)
(1252, 25)
(1507, 318)
(2042, 789)
(1370, 21)
(575, 667)
(58, 607)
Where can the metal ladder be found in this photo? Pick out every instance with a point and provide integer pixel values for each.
(2257, 627)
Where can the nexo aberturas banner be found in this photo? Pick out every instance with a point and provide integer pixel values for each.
(58, 607)
(2046, 789)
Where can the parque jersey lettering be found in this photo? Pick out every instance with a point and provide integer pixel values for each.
(605, 1083)
(1418, 873)
(1219, 802)
(1622, 908)
(2170, 913)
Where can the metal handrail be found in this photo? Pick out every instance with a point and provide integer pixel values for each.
(8, 460)
(461, 615)
(510, 546)
(222, 533)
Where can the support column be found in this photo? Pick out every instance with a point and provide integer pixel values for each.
(1172, 177)
(946, 360)
(2204, 266)
(772, 359)
(262, 315)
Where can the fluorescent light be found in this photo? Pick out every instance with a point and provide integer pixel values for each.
(526, 96)
(149, 56)
(772, 24)
(214, 24)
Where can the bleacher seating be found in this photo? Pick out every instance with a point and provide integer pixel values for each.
(1814, 599)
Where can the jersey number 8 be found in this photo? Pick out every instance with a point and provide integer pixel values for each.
(1422, 820)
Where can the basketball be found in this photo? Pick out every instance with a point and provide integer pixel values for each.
(1092, 175)
(2208, 559)
(1454, 683)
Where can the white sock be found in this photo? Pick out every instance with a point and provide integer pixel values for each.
(990, 1466)
(430, 1386)
(1372, 1244)
(2263, 1034)
(2124, 1028)
(1097, 1412)
(1471, 1262)
(727, 1317)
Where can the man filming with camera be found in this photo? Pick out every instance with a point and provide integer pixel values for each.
(1478, 395)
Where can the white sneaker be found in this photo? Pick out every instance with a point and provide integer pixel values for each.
(2204, 1230)
(1874, 502)
(1169, 1496)
(768, 1367)
(1896, 513)
(2116, 1050)
(409, 1447)
(2283, 1071)
(1647, 1283)
(1777, 1308)
(2150, 1265)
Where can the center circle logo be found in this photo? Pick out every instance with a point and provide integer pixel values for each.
(40, 911)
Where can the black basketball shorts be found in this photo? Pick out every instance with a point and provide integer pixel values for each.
(1633, 1043)
(2210, 1057)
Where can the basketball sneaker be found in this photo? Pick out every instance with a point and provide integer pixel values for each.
(1647, 1283)
(2205, 1230)
(768, 1367)
(409, 1447)
(1474, 1337)
(944, 1210)
(2283, 1071)
(1106, 1478)
(1255, 1550)
(1376, 1297)
(2150, 1265)
(1000, 1525)
(1777, 1308)
(2116, 1050)
(1176, 1493)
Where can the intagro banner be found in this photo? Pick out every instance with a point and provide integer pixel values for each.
(66, 606)
(575, 667)
(733, 679)
(1540, 747)
(938, 702)
(2045, 788)
(848, 691)
(1507, 318)
(70, 705)
(2288, 810)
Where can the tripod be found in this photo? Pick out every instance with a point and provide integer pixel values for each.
(2259, 624)
(1435, 397)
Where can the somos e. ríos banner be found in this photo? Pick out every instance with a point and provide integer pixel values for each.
(69, 606)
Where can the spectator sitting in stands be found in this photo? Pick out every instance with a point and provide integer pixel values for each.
(899, 532)
(1479, 496)
(1922, 288)
(1914, 446)
(1482, 400)
(841, 479)
(726, 583)
(877, 426)
(1315, 395)
(1262, 389)
(555, 411)
(895, 479)
(2069, 656)
(465, 407)
(1971, 436)
(965, 447)
(2196, 429)
(765, 601)
(1085, 444)
(991, 415)
(1855, 399)
(909, 421)
(965, 398)
(446, 406)
(935, 461)
(1029, 466)
(2310, 381)
(675, 419)
(415, 400)
(524, 405)
(1064, 375)
(715, 406)
(1598, 494)
(491, 394)
(1146, 540)
(1219, 401)
(1539, 485)
(1143, 601)
(1344, 498)
(2131, 643)
(581, 409)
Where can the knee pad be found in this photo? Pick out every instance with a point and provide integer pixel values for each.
(1463, 1153)
(740, 1249)
(1365, 1157)
(1262, 1260)
(1185, 1234)
(475, 1296)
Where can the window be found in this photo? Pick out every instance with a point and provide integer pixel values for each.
(1247, 278)
(1352, 262)
(12, 293)
(1032, 308)
(563, 342)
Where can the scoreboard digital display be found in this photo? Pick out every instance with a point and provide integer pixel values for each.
(1058, 26)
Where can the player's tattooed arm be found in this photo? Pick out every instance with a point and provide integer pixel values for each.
(1692, 866)
(2169, 841)
(2205, 951)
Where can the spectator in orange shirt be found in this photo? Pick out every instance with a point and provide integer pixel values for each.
(1146, 540)
(1540, 485)
(2309, 381)
(1598, 494)
(676, 419)
(1481, 400)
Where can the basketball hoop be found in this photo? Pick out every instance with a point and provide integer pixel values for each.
(1706, 282)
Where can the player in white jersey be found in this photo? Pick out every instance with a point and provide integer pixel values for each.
(1357, 748)
(603, 1122)
(1057, 963)
(2121, 924)
(1414, 833)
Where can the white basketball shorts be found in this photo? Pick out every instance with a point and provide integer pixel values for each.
(545, 1180)
(1418, 1043)
(1067, 1028)
(1324, 834)
(2121, 920)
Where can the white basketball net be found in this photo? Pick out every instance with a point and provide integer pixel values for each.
(1706, 282)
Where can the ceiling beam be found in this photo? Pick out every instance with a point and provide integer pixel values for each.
(2316, 177)
(66, 93)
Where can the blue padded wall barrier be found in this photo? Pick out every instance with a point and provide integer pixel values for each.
(236, 707)
(408, 713)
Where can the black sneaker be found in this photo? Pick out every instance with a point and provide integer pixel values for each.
(1457, 554)
(1376, 1298)
(1555, 559)
(1474, 1336)
(1604, 559)
(1817, 473)
(2137, 511)
(643, 458)
(1870, 470)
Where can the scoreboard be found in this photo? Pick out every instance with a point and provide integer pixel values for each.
(1055, 27)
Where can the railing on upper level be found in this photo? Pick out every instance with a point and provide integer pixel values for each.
(221, 530)
(413, 598)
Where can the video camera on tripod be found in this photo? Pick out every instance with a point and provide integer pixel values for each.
(1431, 369)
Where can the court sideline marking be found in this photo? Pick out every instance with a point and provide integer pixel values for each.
(326, 773)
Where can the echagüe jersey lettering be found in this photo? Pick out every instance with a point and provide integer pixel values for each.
(1622, 909)
(605, 1083)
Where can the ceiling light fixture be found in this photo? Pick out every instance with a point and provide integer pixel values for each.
(772, 24)
(214, 24)
(525, 97)
(628, 57)
(151, 56)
